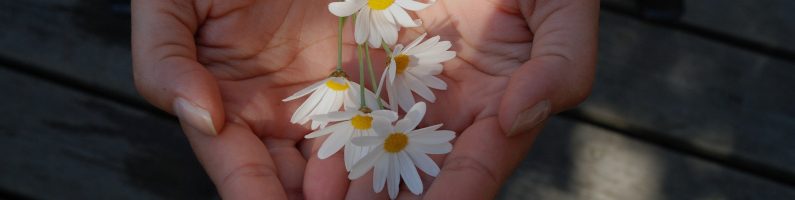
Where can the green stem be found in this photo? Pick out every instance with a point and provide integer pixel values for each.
(374, 83)
(361, 76)
(339, 44)
(387, 49)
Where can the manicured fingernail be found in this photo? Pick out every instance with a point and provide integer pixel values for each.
(194, 116)
(530, 118)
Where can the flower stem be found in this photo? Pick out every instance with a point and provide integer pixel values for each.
(339, 43)
(387, 49)
(359, 48)
(374, 83)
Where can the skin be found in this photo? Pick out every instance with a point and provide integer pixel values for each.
(237, 59)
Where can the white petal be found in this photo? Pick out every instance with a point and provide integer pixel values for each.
(388, 31)
(441, 46)
(350, 155)
(335, 116)
(381, 83)
(366, 163)
(412, 5)
(402, 17)
(388, 15)
(385, 114)
(375, 35)
(409, 173)
(305, 91)
(428, 69)
(431, 149)
(437, 58)
(327, 130)
(418, 87)
(382, 127)
(308, 105)
(404, 96)
(391, 92)
(412, 119)
(433, 82)
(362, 29)
(424, 45)
(397, 50)
(346, 8)
(380, 173)
(424, 162)
(364, 141)
(415, 42)
(435, 137)
(393, 178)
(335, 142)
(323, 107)
(426, 129)
(391, 71)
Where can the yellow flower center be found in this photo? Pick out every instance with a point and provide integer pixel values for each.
(336, 86)
(380, 4)
(362, 122)
(395, 142)
(401, 62)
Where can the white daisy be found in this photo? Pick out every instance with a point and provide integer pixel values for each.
(397, 150)
(328, 95)
(377, 20)
(350, 124)
(413, 69)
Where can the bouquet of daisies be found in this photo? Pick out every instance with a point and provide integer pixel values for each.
(370, 129)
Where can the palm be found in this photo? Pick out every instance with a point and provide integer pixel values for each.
(262, 52)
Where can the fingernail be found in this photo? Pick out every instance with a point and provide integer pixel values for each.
(530, 118)
(194, 116)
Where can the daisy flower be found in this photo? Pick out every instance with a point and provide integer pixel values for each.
(350, 124)
(397, 150)
(377, 20)
(413, 69)
(328, 95)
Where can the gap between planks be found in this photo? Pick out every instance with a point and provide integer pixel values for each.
(711, 35)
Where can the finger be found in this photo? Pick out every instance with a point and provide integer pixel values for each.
(481, 160)
(165, 68)
(324, 178)
(560, 71)
(362, 188)
(237, 162)
(290, 165)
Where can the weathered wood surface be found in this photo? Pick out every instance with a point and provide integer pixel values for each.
(727, 101)
(85, 147)
(572, 160)
(82, 40)
(767, 22)
(58, 143)
(692, 89)
(721, 99)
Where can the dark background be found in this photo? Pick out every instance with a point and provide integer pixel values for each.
(693, 99)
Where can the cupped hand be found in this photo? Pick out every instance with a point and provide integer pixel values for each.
(223, 67)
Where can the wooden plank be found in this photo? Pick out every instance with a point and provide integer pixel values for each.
(767, 22)
(63, 144)
(699, 92)
(573, 160)
(726, 101)
(81, 40)
(84, 147)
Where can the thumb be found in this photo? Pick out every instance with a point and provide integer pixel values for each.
(165, 67)
(540, 87)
